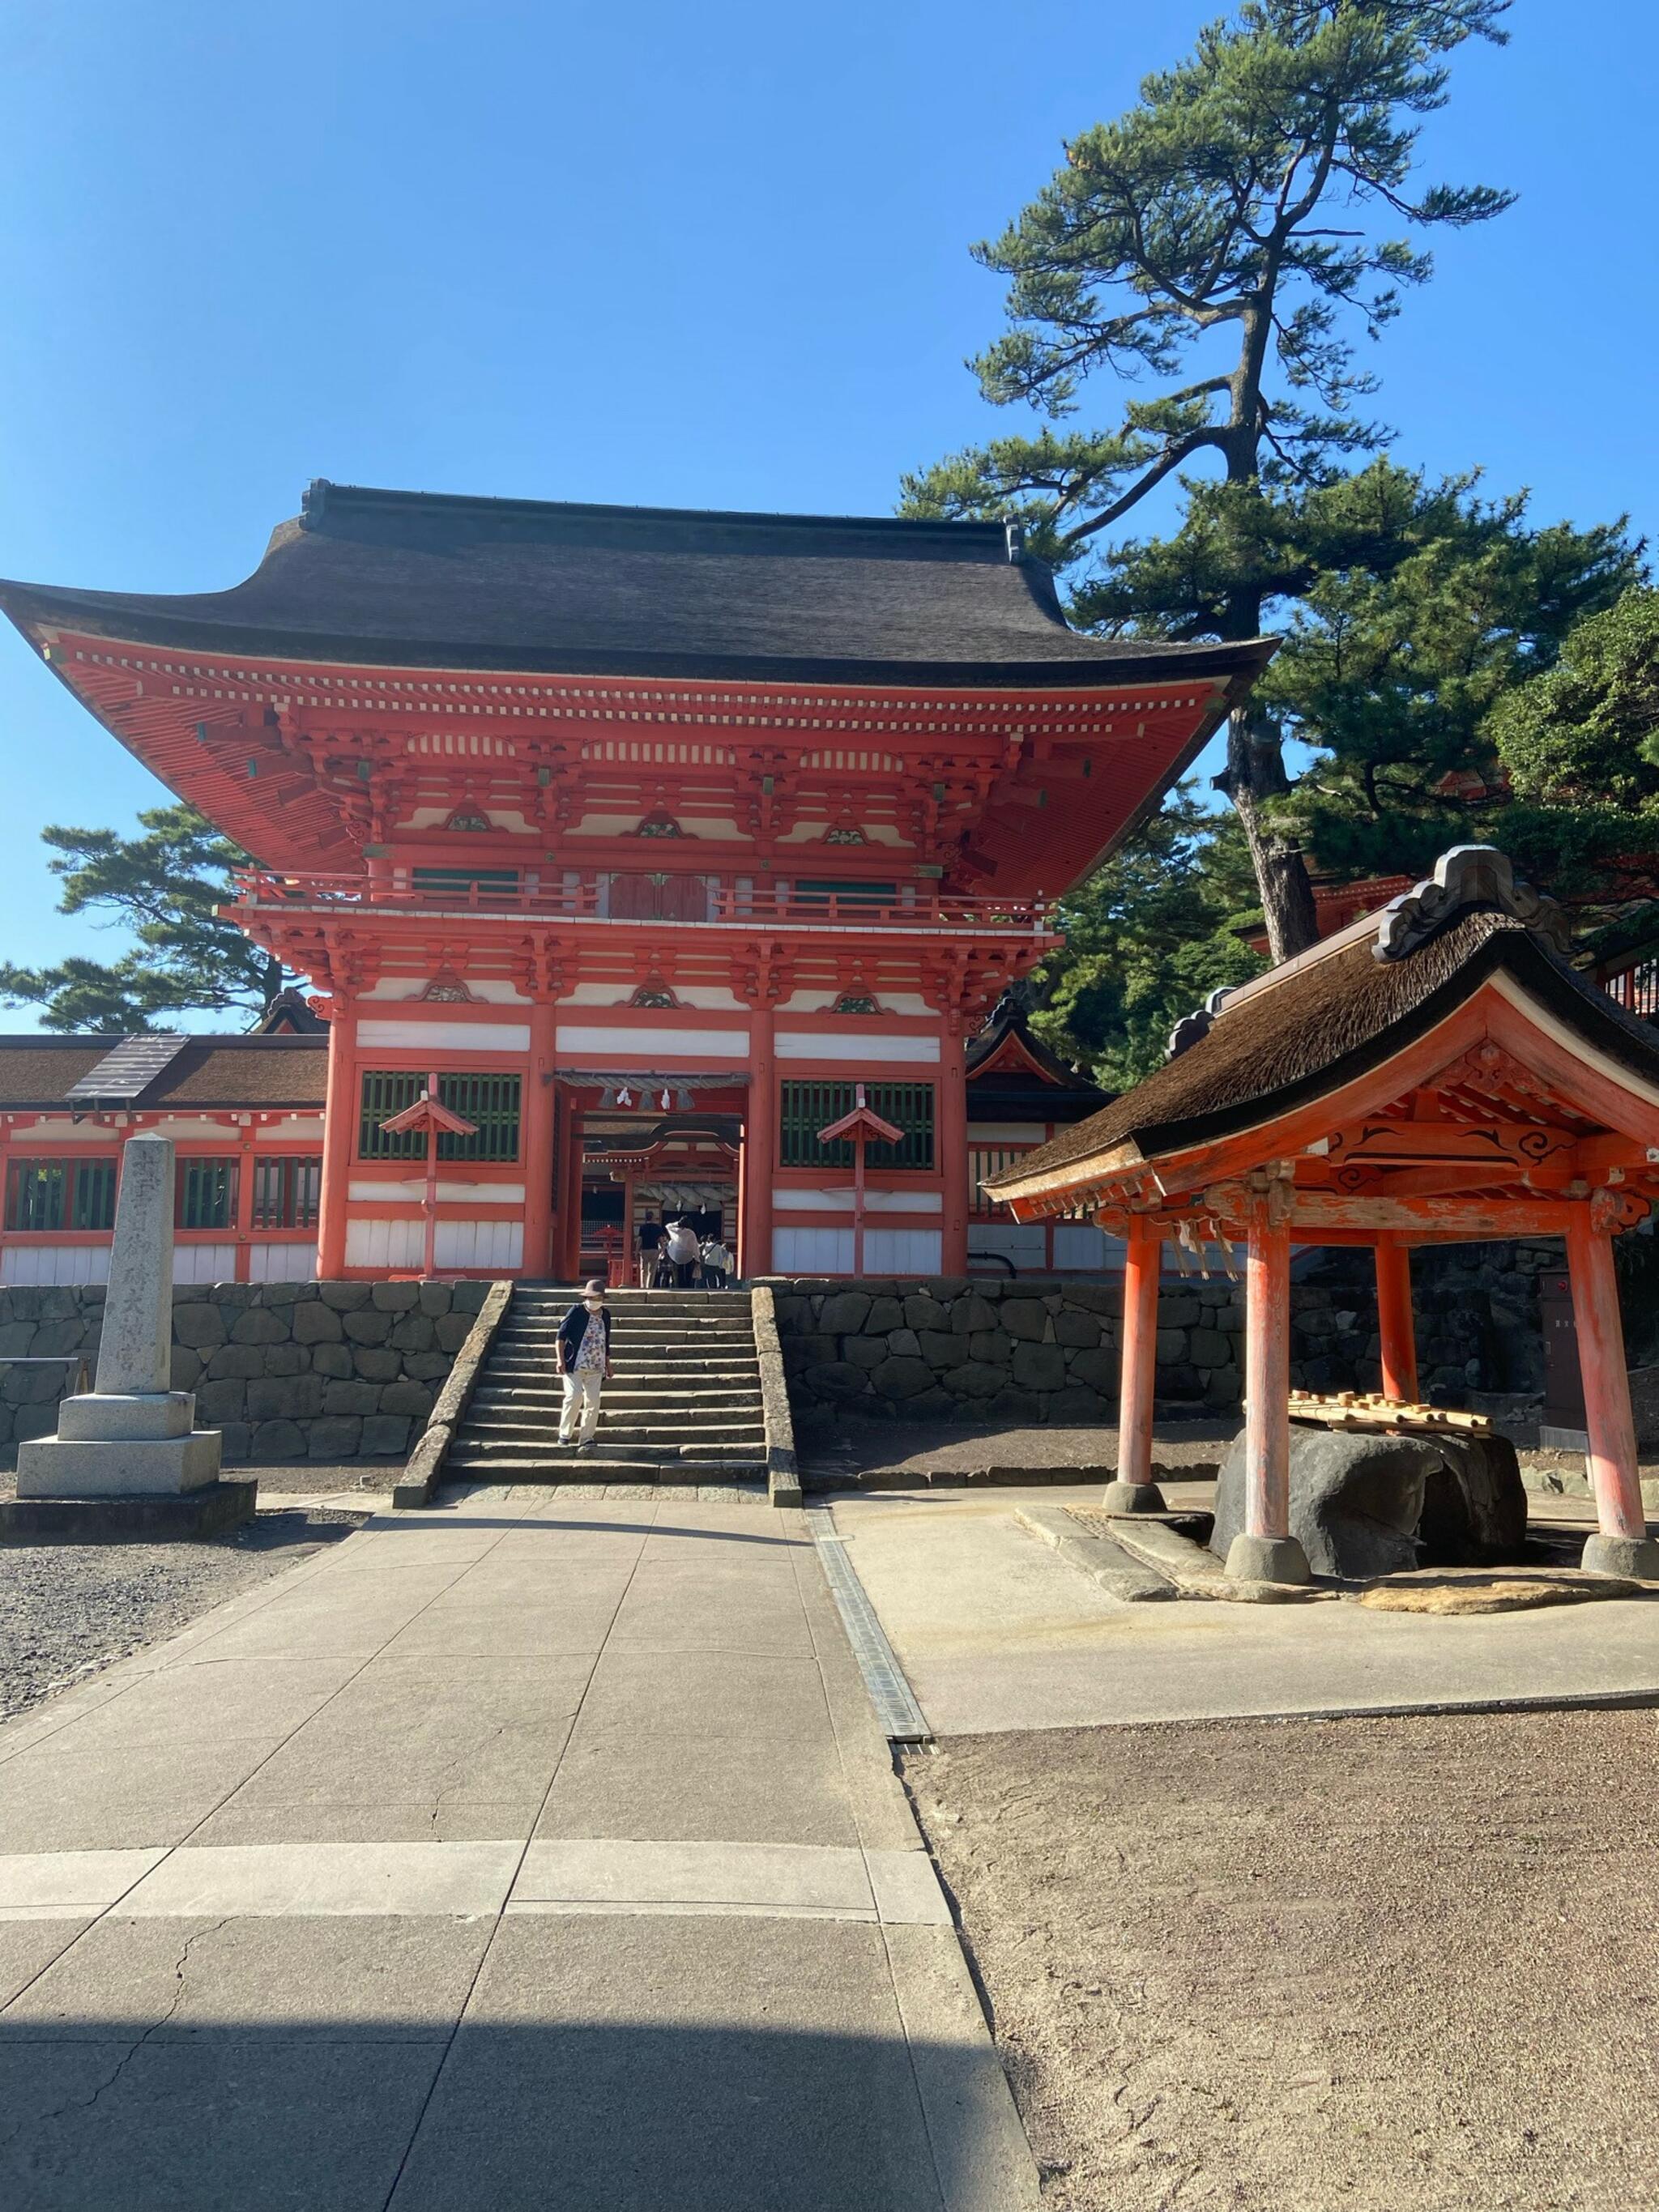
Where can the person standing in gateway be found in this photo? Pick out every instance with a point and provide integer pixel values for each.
(584, 1364)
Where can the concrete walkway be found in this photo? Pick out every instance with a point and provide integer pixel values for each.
(995, 1631)
(526, 1852)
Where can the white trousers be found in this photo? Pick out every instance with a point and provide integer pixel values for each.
(581, 1402)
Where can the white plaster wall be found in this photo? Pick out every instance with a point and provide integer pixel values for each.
(402, 1244)
(1080, 1245)
(396, 990)
(443, 1036)
(204, 1263)
(410, 1190)
(656, 1039)
(54, 1263)
(841, 1201)
(281, 1263)
(869, 1046)
(1022, 1242)
(812, 1252)
(908, 1003)
(902, 1251)
(385, 1243)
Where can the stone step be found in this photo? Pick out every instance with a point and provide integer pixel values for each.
(665, 1404)
(504, 1422)
(535, 1369)
(471, 1454)
(574, 1467)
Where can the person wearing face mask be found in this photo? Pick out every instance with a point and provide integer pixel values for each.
(584, 1364)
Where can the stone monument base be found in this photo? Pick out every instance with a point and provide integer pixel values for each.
(190, 1515)
(124, 1467)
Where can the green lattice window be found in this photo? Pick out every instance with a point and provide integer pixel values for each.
(287, 1191)
(810, 1107)
(491, 1101)
(60, 1195)
(462, 884)
(205, 1195)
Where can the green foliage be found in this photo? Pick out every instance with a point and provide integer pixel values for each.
(1239, 192)
(163, 886)
(1149, 937)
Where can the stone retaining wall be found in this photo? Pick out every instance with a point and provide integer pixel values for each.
(1046, 1349)
(286, 1370)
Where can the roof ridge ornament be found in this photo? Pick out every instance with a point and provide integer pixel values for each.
(1467, 877)
(1191, 1027)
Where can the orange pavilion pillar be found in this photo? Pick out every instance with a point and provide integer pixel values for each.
(1621, 1545)
(1395, 1327)
(339, 1138)
(1134, 1491)
(1264, 1550)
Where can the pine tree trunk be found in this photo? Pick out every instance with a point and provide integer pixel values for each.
(1255, 771)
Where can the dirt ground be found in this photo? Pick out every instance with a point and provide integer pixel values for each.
(1400, 1966)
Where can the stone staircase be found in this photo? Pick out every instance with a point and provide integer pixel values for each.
(684, 1405)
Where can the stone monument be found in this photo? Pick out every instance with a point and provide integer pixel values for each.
(128, 1458)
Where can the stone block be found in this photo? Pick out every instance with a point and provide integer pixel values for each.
(198, 1325)
(1178, 1310)
(372, 1362)
(343, 1298)
(219, 1402)
(427, 1366)
(241, 1362)
(16, 1338)
(261, 1325)
(36, 1420)
(337, 1437)
(973, 1382)
(844, 1313)
(1015, 1406)
(185, 1370)
(1039, 1367)
(286, 1358)
(371, 1324)
(921, 1312)
(1171, 1345)
(1076, 1329)
(990, 1347)
(451, 1330)
(1207, 1347)
(117, 1417)
(1026, 1318)
(394, 1298)
(971, 1311)
(885, 1314)
(434, 1299)
(1223, 1388)
(904, 1344)
(331, 1359)
(54, 1467)
(53, 1337)
(277, 1440)
(317, 1323)
(352, 1397)
(1098, 1370)
(865, 1351)
(285, 1398)
(234, 1438)
(414, 1333)
(287, 1294)
(938, 1348)
(35, 1386)
(1094, 1297)
(901, 1377)
(836, 1379)
(406, 1397)
(383, 1436)
(468, 1297)
(1180, 1383)
(1077, 1406)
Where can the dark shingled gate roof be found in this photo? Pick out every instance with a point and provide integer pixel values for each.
(426, 579)
(1320, 1022)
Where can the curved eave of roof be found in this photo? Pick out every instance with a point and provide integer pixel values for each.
(151, 621)
(1131, 1133)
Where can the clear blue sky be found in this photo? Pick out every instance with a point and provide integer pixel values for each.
(711, 256)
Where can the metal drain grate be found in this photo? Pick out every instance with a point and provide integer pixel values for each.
(896, 1709)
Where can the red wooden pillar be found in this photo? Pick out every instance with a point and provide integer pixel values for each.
(1621, 1545)
(1264, 1550)
(244, 1207)
(760, 1148)
(952, 1107)
(339, 1140)
(1135, 1491)
(1393, 1321)
(536, 1144)
(570, 1196)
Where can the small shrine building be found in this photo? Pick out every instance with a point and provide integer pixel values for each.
(606, 818)
(1435, 1073)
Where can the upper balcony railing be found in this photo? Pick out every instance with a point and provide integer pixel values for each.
(685, 900)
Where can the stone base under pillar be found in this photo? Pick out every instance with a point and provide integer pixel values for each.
(1132, 1497)
(1632, 1558)
(1267, 1560)
(189, 1516)
(155, 1467)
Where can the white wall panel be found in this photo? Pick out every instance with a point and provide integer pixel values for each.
(383, 1243)
(1080, 1245)
(812, 1252)
(54, 1263)
(656, 1038)
(281, 1263)
(841, 1201)
(480, 1243)
(902, 1252)
(871, 1046)
(443, 1036)
(1020, 1242)
(204, 1263)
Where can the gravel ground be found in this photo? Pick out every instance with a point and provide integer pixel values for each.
(1404, 1965)
(844, 1451)
(69, 1610)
